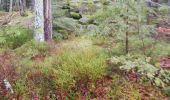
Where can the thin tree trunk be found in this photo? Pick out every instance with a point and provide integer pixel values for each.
(127, 33)
(11, 6)
(32, 5)
(169, 12)
(168, 2)
(22, 7)
(48, 20)
(127, 42)
(17, 5)
(0, 2)
(39, 21)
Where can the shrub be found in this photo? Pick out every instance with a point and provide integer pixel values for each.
(31, 50)
(143, 68)
(14, 36)
(83, 64)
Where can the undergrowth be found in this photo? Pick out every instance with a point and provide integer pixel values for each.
(14, 36)
(73, 73)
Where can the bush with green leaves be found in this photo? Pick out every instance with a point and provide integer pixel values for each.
(140, 65)
(14, 36)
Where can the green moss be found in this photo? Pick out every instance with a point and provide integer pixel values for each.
(75, 15)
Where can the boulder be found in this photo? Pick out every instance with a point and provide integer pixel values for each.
(84, 20)
(96, 1)
(91, 27)
(75, 15)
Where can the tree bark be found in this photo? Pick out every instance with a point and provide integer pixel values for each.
(48, 20)
(169, 12)
(127, 32)
(11, 6)
(39, 21)
(1, 4)
(22, 4)
(0, 1)
(32, 4)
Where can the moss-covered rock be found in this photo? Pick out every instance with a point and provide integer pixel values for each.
(75, 15)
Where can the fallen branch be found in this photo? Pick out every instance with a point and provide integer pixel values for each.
(8, 86)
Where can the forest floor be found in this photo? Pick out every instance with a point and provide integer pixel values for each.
(27, 63)
(9, 58)
(14, 18)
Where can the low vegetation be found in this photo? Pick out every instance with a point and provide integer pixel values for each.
(108, 51)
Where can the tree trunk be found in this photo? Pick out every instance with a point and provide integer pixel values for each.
(127, 32)
(22, 7)
(0, 2)
(48, 20)
(11, 6)
(32, 4)
(169, 12)
(17, 3)
(127, 42)
(39, 21)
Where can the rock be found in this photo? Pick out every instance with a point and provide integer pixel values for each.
(106, 2)
(82, 27)
(98, 6)
(74, 9)
(83, 9)
(91, 27)
(96, 1)
(65, 23)
(75, 15)
(85, 2)
(66, 6)
(84, 20)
